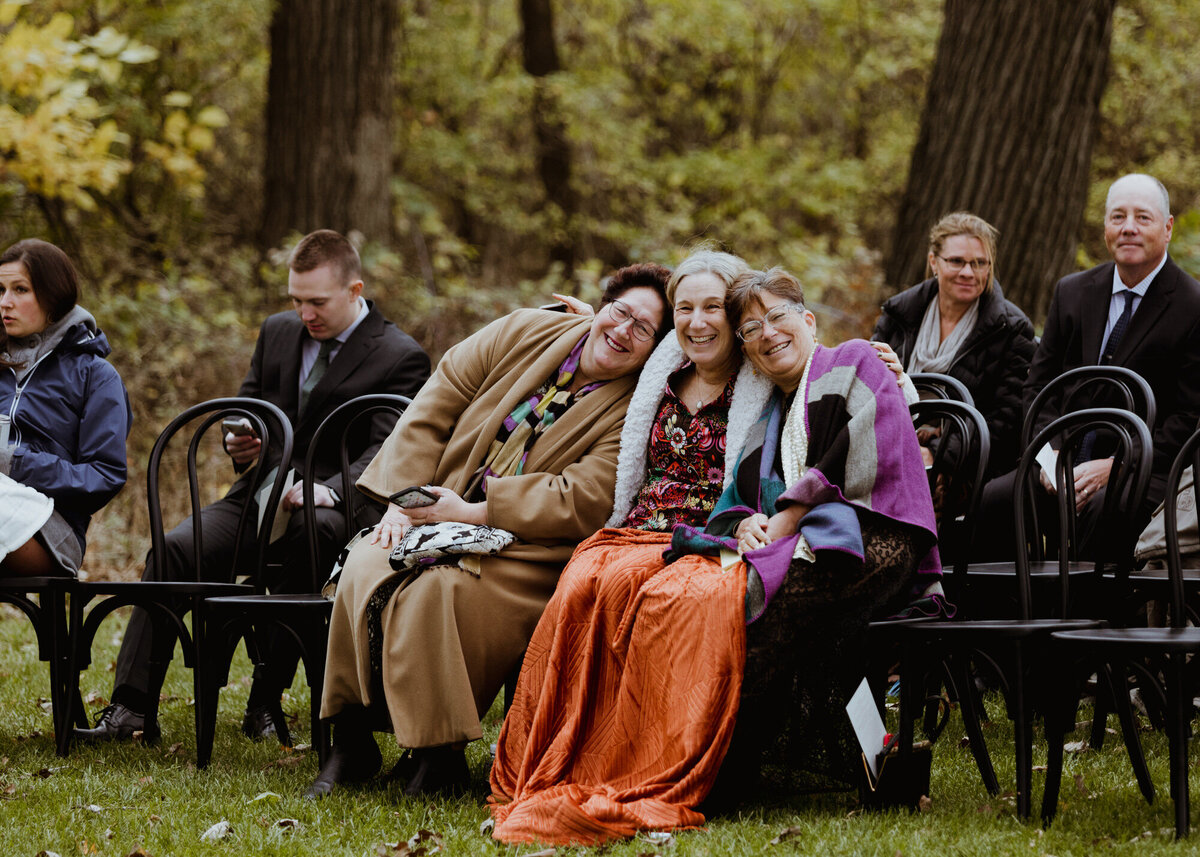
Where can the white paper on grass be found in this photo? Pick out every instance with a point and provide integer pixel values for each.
(868, 726)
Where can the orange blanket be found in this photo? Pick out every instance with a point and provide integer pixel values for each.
(627, 696)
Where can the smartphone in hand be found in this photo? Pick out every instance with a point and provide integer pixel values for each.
(413, 498)
(239, 426)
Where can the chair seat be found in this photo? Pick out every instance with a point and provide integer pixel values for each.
(1160, 575)
(1044, 568)
(1010, 628)
(1151, 640)
(298, 600)
(145, 590)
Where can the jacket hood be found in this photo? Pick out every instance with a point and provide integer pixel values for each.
(76, 331)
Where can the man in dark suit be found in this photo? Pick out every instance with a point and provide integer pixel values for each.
(334, 346)
(1140, 311)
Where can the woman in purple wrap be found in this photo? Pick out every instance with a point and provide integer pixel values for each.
(830, 512)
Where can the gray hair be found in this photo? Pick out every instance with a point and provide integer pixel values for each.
(726, 267)
(1140, 178)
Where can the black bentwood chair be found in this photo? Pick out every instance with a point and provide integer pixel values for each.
(169, 601)
(48, 614)
(934, 385)
(1016, 649)
(1157, 656)
(304, 617)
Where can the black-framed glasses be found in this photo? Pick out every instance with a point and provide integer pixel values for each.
(752, 330)
(957, 263)
(621, 312)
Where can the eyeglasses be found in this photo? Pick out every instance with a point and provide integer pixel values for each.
(957, 263)
(752, 330)
(622, 314)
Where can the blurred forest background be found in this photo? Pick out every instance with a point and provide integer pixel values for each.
(492, 151)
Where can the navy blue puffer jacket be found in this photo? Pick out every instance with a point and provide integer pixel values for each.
(70, 419)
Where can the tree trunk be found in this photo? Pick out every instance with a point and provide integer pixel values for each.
(1007, 133)
(330, 122)
(540, 56)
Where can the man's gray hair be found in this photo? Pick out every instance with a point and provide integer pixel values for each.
(1140, 178)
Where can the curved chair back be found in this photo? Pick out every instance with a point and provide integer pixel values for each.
(1084, 386)
(383, 410)
(1189, 456)
(958, 471)
(1124, 494)
(939, 386)
(275, 430)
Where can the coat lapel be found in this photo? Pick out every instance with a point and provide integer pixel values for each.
(289, 371)
(349, 357)
(1094, 314)
(1152, 307)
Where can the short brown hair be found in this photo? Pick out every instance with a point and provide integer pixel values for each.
(326, 247)
(749, 287)
(646, 275)
(964, 223)
(53, 277)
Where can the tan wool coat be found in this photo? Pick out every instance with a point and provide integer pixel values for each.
(450, 638)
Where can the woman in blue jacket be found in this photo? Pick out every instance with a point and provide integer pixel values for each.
(67, 414)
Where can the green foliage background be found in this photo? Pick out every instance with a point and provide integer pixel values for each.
(781, 129)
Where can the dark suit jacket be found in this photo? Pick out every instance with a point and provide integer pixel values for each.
(377, 358)
(1162, 345)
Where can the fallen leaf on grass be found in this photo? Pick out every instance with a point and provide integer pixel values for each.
(175, 749)
(284, 762)
(288, 824)
(91, 807)
(925, 804)
(660, 837)
(422, 843)
(138, 852)
(1040, 769)
(1144, 835)
(1079, 786)
(790, 833)
(548, 852)
(8, 791)
(155, 819)
(485, 829)
(1075, 747)
(145, 781)
(264, 796)
(218, 831)
(36, 733)
(108, 833)
(45, 704)
(47, 854)
(94, 698)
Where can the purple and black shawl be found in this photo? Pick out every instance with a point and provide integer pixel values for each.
(863, 459)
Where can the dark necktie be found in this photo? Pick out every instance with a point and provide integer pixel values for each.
(1118, 331)
(318, 370)
(1106, 359)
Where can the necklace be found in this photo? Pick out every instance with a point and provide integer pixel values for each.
(706, 392)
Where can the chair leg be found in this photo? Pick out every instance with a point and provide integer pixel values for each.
(1179, 725)
(1060, 718)
(315, 642)
(1100, 712)
(960, 668)
(1022, 736)
(1117, 689)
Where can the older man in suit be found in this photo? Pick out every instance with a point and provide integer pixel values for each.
(1140, 311)
(334, 346)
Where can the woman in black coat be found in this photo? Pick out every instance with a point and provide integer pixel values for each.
(958, 323)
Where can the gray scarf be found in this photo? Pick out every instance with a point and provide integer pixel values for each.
(930, 352)
(28, 350)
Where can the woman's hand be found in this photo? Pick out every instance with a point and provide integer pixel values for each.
(752, 533)
(890, 359)
(574, 305)
(449, 507)
(785, 523)
(1090, 477)
(391, 527)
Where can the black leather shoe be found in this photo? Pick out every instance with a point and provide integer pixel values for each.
(118, 723)
(440, 770)
(266, 721)
(347, 763)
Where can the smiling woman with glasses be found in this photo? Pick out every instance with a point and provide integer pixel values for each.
(959, 323)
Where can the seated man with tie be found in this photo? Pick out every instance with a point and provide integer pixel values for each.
(1140, 311)
(334, 346)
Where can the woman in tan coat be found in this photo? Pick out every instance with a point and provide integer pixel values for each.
(518, 429)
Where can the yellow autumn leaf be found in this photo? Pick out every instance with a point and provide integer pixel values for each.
(212, 117)
(177, 98)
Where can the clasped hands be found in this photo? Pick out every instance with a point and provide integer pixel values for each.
(449, 507)
(758, 530)
(1089, 477)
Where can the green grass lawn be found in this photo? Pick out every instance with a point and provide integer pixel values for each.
(115, 800)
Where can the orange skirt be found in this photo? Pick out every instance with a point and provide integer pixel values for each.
(627, 697)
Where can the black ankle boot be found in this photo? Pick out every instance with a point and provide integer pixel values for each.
(355, 756)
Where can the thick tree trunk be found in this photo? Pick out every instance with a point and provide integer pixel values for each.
(1007, 133)
(329, 118)
(540, 56)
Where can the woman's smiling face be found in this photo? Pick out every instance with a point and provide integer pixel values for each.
(701, 325)
(788, 336)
